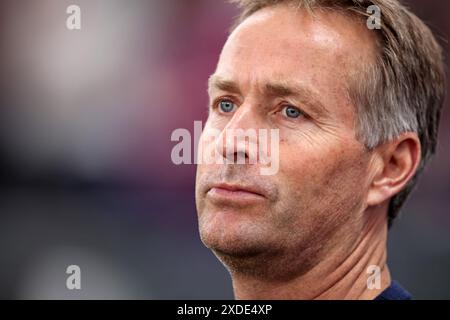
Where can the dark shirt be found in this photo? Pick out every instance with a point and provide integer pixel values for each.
(394, 292)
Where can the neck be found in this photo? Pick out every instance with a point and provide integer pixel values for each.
(341, 275)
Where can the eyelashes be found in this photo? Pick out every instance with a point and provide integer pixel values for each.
(227, 105)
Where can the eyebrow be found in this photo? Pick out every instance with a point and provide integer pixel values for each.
(274, 89)
(222, 84)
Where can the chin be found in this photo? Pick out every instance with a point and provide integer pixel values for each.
(241, 257)
(236, 248)
(238, 239)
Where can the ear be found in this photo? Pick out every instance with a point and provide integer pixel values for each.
(394, 164)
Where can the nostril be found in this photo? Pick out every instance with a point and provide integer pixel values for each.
(239, 157)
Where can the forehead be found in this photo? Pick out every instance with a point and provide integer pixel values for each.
(283, 32)
(321, 49)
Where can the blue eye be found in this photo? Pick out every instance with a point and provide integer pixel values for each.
(226, 106)
(291, 112)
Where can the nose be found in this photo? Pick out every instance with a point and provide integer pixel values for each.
(238, 141)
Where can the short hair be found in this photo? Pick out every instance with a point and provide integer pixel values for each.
(403, 90)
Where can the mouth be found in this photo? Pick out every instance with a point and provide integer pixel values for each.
(232, 193)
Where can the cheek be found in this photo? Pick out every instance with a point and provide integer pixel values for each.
(207, 147)
(325, 178)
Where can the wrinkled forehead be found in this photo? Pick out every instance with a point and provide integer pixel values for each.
(323, 47)
(325, 51)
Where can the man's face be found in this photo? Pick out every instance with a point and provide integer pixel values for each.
(283, 69)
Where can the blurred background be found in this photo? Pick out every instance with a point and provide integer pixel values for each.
(86, 176)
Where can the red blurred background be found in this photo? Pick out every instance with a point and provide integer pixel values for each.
(86, 175)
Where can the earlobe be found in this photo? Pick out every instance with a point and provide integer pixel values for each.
(397, 161)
